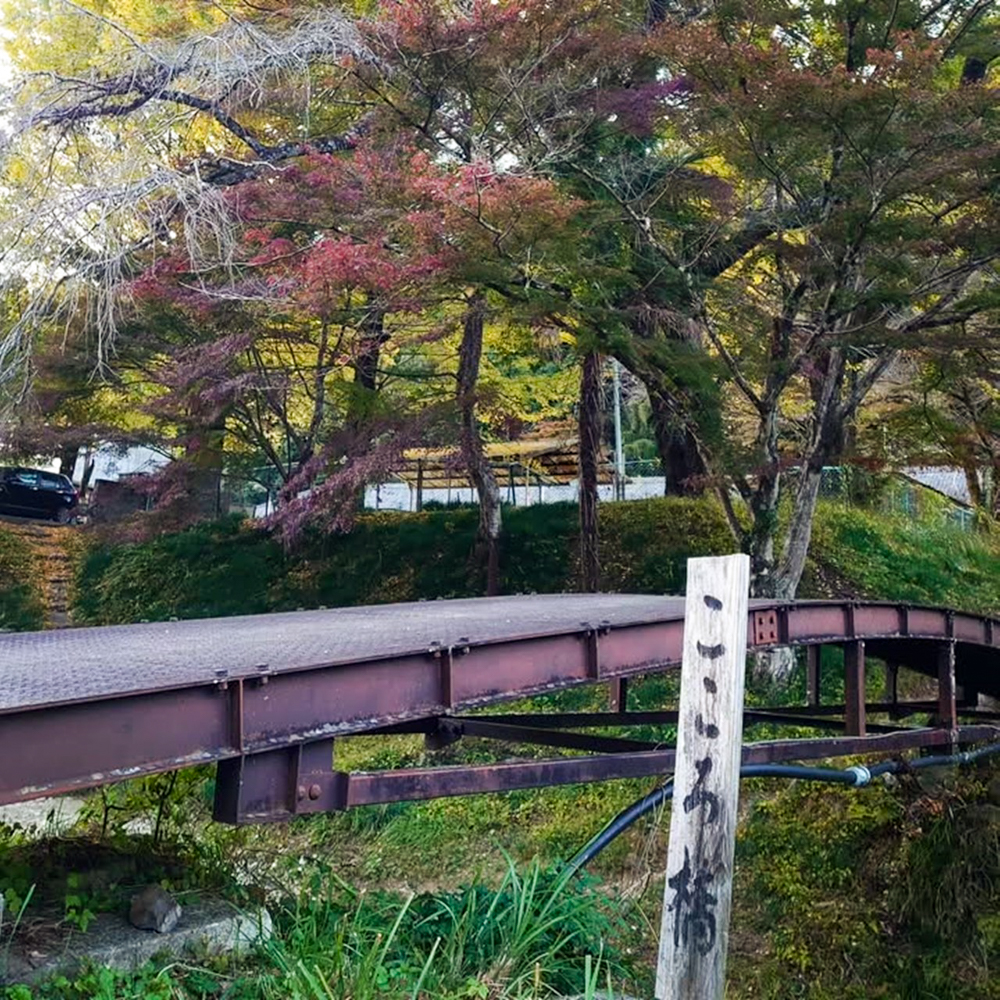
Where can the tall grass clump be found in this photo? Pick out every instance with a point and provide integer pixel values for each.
(531, 936)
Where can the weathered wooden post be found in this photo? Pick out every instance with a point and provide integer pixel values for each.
(694, 933)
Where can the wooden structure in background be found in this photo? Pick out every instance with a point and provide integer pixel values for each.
(527, 462)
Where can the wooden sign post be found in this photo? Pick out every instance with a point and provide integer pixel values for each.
(694, 933)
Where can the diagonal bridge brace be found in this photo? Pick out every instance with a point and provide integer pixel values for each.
(295, 781)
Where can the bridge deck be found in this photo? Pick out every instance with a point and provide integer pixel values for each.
(49, 668)
(82, 707)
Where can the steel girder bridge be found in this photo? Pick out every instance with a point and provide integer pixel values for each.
(266, 697)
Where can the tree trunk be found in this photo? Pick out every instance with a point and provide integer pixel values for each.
(680, 458)
(67, 459)
(365, 364)
(590, 447)
(673, 397)
(205, 458)
(796, 547)
(476, 461)
(369, 352)
(763, 502)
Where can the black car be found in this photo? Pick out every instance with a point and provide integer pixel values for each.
(33, 493)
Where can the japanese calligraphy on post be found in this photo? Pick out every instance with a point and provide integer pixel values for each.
(698, 887)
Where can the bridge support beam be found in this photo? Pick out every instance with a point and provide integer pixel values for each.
(891, 694)
(947, 701)
(854, 688)
(618, 695)
(813, 656)
(278, 784)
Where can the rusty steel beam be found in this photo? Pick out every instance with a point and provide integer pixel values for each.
(537, 728)
(891, 694)
(947, 705)
(854, 687)
(618, 695)
(274, 786)
(813, 675)
(84, 707)
(871, 707)
(579, 720)
(486, 727)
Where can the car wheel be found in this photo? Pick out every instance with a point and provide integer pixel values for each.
(64, 515)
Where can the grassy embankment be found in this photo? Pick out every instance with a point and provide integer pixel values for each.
(22, 602)
(886, 892)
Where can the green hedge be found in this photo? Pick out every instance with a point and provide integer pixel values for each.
(22, 607)
(232, 567)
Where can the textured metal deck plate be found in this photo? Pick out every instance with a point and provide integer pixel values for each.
(46, 668)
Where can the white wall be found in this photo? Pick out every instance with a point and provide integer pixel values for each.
(111, 462)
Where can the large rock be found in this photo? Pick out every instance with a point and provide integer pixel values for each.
(154, 909)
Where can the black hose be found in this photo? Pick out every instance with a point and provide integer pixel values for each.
(857, 777)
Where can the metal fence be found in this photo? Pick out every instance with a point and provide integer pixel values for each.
(896, 493)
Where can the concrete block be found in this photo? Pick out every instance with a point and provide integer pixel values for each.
(212, 926)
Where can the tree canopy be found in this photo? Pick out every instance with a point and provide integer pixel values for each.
(309, 235)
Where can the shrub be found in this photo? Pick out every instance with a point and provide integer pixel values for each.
(232, 567)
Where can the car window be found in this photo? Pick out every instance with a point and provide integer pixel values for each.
(25, 477)
(50, 481)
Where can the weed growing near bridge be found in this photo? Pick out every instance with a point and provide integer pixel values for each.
(536, 934)
(888, 892)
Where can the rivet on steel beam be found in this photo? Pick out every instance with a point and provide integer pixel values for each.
(301, 792)
(314, 791)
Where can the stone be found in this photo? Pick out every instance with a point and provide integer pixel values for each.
(211, 926)
(154, 909)
(39, 817)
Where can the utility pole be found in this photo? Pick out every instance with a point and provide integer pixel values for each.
(616, 382)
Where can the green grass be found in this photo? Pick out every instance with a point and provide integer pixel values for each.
(535, 933)
(22, 607)
(883, 892)
(231, 567)
(893, 892)
(902, 559)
